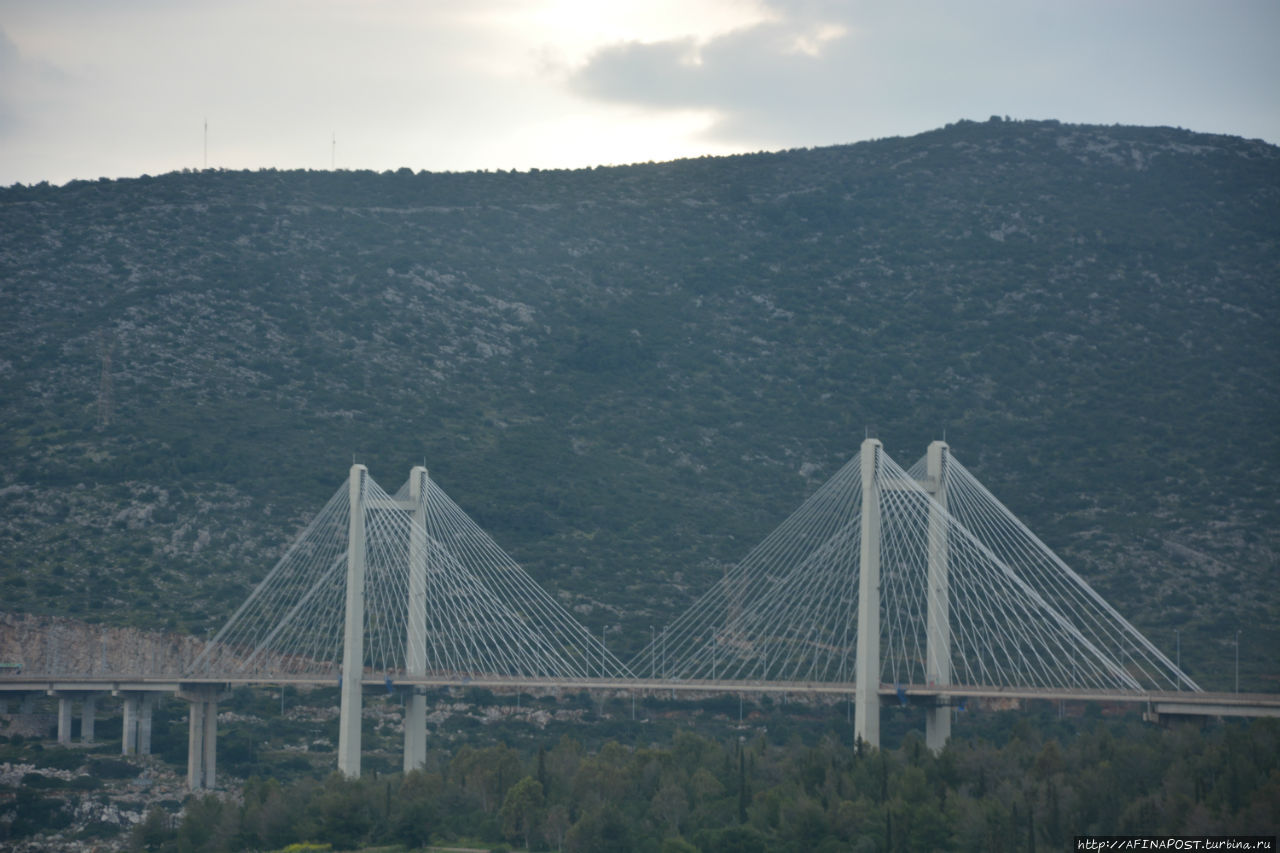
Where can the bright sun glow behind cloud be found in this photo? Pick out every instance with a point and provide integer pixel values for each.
(574, 29)
(550, 40)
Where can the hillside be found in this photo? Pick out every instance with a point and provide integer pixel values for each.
(629, 375)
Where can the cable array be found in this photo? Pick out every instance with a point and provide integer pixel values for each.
(1009, 540)
(286, 624)
(1009, 611)
(786, 612)
(1000, 631)
(441, 600)
(487, 616)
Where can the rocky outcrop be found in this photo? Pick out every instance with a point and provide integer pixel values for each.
(50, 645)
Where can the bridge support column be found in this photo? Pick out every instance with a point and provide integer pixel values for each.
(66, 714)
(351, 707)
(145, 707)
(88, 710)
(136, 738)
(64, 718)
(866, 702)
(415, 713)
(937, 719)
(202, 735)
(129, 739)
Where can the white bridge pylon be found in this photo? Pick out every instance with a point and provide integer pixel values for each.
(398, 587)
(919, 577)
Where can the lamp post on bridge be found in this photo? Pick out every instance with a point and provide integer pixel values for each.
(1237, 661)
(653, 654)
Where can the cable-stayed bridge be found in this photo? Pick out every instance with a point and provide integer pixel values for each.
(919, 578)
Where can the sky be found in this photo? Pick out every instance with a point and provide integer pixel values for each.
(120, 88)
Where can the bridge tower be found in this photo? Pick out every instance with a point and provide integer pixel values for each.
(415, 718)
(937, 721)
(350, 709)
(938, 634)
(866, 703)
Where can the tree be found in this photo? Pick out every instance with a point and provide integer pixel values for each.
(555, 826)
(669, 806)
(486, 773)
(414, 815)
(803, 822)
(207, 825)
(155, 833)
(562, 765)
(601, 830)
(521, 811)
(343, 815)
(705, 786)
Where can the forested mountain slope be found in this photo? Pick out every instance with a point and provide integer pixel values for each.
(629, 375)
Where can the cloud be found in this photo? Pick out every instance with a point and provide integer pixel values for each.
(757, 81)
(662, 74)
(28, 87)
(822, 71)
(811, 73)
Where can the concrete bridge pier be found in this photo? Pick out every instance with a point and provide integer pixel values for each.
(202, 734)
(66, 709)
(129, 736)
(64, 718)
(146, 705)
(136, 739)
(88, 712)
(415, 730)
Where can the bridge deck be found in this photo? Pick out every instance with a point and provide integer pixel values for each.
(1165, 702)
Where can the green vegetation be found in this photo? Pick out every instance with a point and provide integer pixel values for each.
(682, 775)
(700, 794)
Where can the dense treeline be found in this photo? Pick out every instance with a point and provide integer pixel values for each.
(697, 793)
